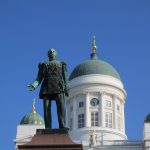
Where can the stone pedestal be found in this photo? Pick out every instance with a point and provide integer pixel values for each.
(51, 139)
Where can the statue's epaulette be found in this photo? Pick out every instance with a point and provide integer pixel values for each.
(44, 62)
(41, 64)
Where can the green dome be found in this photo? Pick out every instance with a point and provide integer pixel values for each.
(147, 118)
(94, 66)
(32, 118)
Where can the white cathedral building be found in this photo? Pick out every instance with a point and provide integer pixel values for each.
(95, 110)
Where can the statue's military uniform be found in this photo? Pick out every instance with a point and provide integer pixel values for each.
(52, 74)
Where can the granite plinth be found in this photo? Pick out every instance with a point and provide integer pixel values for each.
(51, 139)
(52, 131)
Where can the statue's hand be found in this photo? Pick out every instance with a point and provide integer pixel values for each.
(30, 87)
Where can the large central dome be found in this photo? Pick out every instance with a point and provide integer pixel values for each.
(94, 66)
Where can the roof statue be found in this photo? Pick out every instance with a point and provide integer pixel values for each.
(93, 138)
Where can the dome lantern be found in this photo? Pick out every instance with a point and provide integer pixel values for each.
(94, 48)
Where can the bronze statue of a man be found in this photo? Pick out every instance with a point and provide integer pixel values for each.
(53, 76)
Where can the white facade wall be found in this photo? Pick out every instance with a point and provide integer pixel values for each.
(111, 96)
(146, 131)
(25, 133)
(146, 136)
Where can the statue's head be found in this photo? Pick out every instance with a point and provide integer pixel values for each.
(52, 53)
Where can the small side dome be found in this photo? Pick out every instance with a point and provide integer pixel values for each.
(147, 118)
(32, 118)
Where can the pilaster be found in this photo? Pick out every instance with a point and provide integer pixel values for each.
(123, 117)
(114, 112)
(87, 112)
(74, 114)
(102, 113)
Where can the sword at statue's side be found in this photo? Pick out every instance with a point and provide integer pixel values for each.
(65, 109)
(65, 91)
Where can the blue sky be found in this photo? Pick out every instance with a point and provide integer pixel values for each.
(28, 28)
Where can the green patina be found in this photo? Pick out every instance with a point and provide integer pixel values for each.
(32, 118)
(52, 75)
(94, 66)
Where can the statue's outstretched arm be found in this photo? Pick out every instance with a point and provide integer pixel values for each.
(32, 86)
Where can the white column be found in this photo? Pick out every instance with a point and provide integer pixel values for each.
(102, 113)
(74, 114)
(123, 117)
(87, 112)
(114, 112)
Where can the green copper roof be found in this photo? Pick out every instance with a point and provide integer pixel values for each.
(147, 118)
(32, 118)
(94, 66)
